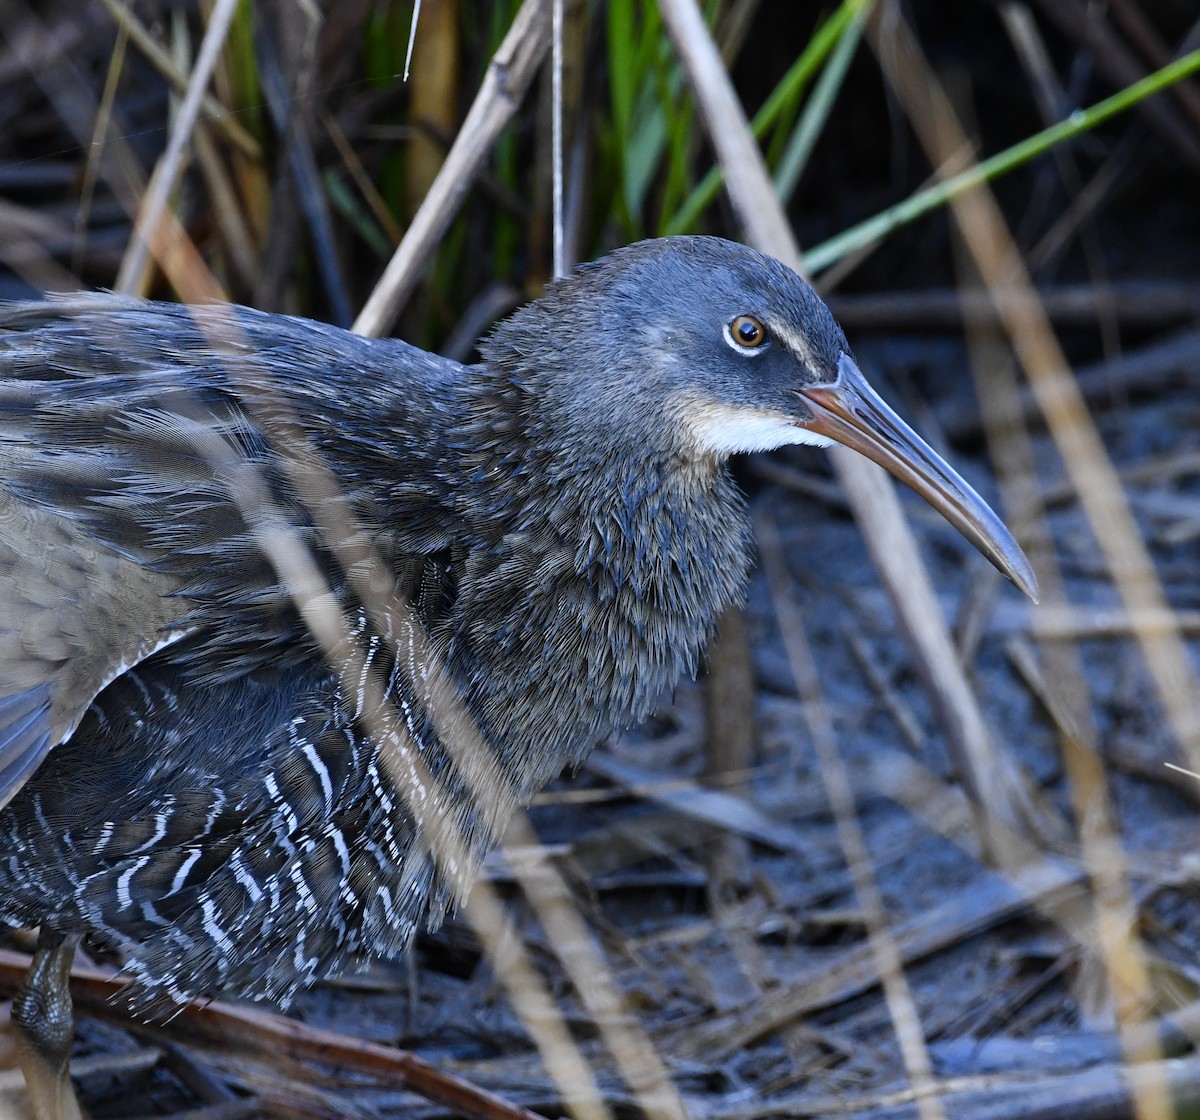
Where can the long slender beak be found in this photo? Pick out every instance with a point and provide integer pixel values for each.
(850, 411)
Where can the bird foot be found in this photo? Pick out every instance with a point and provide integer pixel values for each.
(41, 1013)
(47, 1085)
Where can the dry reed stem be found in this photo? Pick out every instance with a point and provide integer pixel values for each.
(504, 85)
(1088, 465)
(133, 276)
(507, 77)
(158, 56)
(906, 1020)
(995, 785)
(998, 262)
(874, 501)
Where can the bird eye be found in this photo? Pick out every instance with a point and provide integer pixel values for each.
(746, 333)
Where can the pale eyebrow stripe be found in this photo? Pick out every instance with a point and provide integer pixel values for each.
(795, 342)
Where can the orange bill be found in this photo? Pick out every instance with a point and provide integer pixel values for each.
(850, 411)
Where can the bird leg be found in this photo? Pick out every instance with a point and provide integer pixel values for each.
(41, 1012)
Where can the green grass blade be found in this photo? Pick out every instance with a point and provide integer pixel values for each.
(791, 86)
(346, 203)
(825, 254)
(816, 113)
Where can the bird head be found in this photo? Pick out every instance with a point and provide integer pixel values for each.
(720, 349)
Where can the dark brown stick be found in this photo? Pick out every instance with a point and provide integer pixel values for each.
(1140, 303)
(224, 1026)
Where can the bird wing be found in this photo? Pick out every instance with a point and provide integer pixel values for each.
(74, 614)
(128, 454)
(93, 505)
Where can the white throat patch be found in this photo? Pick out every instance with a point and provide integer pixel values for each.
(722, 430)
